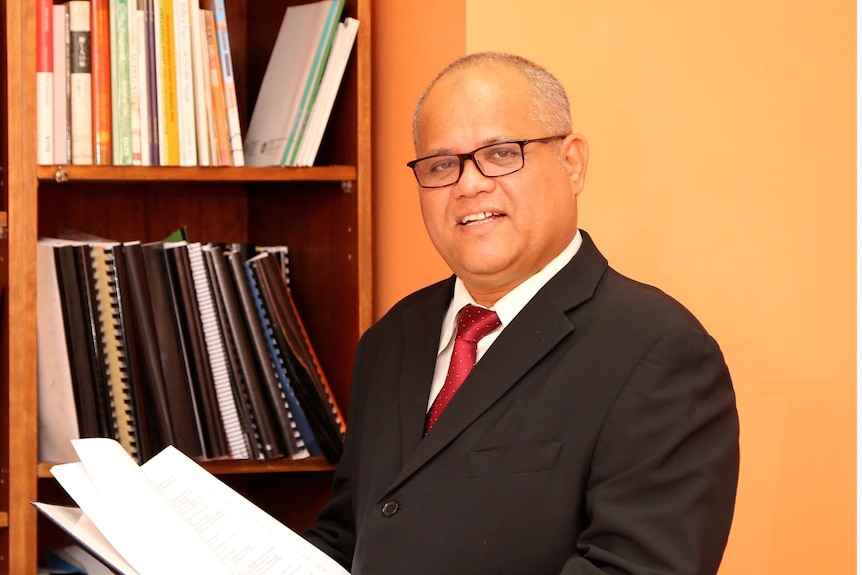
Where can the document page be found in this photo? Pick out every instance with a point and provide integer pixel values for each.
(170, 515)
(247, 539)
(112, 490)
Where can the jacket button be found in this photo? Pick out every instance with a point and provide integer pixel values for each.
(390, 508)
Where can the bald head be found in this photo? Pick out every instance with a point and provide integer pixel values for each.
(549, 104)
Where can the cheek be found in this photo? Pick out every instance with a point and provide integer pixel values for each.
(433, 208)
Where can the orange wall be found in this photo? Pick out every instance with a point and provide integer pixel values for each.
(722, 170)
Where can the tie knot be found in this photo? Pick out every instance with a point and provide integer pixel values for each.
(474, 323)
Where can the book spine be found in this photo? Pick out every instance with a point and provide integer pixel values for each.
(185, 83)
(167, 100)
(215, 349)
(44, 82)
(58, 416)
(100, 29)
(287, 391)
(121, 111)
(219, 132)
(149, 69)
(193, 349)
(309, 93)
(263, 437)
(282, 416)
(80, 80)
(114, 346)
(62, 128)
(180, 398)
(200, 69)
(132, 13)
(223, 40)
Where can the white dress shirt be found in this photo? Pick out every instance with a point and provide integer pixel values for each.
(507, 308)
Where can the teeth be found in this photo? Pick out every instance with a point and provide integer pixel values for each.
(476, 217)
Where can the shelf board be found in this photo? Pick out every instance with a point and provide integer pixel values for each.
(194, 174)
(228, 467)
(4, 519)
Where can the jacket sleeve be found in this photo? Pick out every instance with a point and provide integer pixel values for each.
(334, 531)
(663, 480)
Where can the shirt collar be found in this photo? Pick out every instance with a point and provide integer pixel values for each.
(513, 302)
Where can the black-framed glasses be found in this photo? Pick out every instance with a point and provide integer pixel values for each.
(493, 161)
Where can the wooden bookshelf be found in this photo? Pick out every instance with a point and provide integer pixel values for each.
(322, 213)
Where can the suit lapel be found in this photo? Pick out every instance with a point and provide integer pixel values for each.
(421, 336)
(534, 332)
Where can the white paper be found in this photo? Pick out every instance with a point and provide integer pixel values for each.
(170, 515)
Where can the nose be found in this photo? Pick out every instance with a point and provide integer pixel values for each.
(472, 180)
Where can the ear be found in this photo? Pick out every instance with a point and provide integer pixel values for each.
(575, 152)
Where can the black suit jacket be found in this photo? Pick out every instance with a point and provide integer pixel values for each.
(598, 434)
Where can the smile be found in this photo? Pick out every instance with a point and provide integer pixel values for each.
(478, 217)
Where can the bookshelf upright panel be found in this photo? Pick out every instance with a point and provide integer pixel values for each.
(322, 213)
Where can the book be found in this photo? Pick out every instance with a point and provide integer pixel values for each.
(228, 82)
(121, 69)
(84, 339)
(100, 43)
(290, 67)
(280, 410)
(171, 504)
(309, 92)
(192, 344)
(264, 441)
(185, 83)
(80, 95)
(296, 354)
(61, 81)
(200, 69)
(342, 45)
(135, 16)
(184, 420)
(105, 261)
(219, 131)
(167, 98)
(212, 328)
(57, 422)
(44, 82)
(154, 429)
(149, 86)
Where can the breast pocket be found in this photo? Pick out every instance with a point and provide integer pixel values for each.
(510, 459)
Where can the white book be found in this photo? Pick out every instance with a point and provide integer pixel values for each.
(81, 95)
(201, 94)
(185, 83)
(342, 45)
(58, 419)
(287, 73)
(145, 68)
(170, 515)
(62, 113)
(132, 15)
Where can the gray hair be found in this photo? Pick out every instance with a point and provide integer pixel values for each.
(549, 102)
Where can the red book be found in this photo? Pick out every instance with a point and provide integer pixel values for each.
(100, 45)
(44, 82)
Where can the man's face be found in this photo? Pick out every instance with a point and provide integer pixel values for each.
(496, 232)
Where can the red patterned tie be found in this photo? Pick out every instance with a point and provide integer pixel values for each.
(474, 323)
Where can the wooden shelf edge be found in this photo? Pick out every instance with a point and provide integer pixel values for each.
(229, 467)
(66, 173)
(4, 519)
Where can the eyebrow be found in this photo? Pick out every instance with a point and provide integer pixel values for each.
(483, 143)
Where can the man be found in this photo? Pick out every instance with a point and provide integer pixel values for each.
(597, 432)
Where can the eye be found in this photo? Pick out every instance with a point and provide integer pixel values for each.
(503, 154)
(442, 164)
